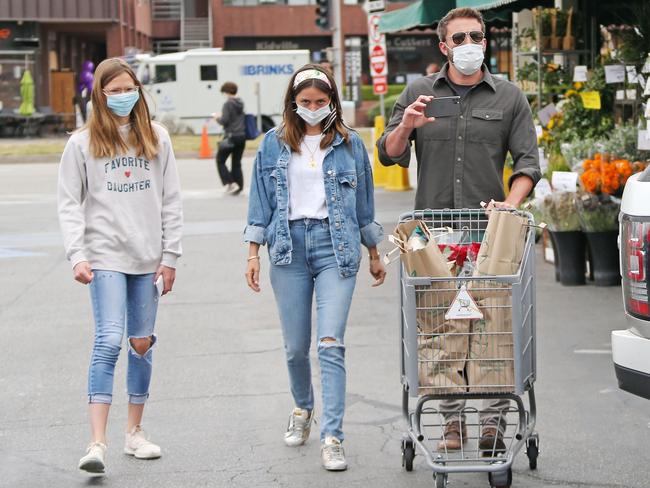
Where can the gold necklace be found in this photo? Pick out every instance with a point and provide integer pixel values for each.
(312, 159)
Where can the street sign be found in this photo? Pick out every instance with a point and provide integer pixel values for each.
(379, 85)
(378, 65)
(374, 36)
(375, 5)
(376, 47)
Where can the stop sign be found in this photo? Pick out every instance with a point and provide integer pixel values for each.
(378, 60)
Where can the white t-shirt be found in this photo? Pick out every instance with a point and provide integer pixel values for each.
(306, 181)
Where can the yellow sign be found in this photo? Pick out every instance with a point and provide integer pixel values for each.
(591, 100)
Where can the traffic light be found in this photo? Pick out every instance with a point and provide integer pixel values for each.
(323, 14)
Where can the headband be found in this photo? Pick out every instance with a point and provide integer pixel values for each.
(311, 74)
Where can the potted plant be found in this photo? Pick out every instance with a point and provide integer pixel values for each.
(559, 210)
(599, 219)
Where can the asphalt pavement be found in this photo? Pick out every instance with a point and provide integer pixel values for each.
(219, 396)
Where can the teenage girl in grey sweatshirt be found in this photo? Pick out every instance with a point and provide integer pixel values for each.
(120, 213)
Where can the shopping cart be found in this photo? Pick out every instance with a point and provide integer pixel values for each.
(500, 362)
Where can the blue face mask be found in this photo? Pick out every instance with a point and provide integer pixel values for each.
(122, 104)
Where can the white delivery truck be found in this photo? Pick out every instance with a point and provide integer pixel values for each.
(184, 87)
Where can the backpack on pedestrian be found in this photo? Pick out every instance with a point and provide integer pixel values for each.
(250, 127)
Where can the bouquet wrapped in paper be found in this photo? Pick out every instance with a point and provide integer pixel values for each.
(559, 211)
(598, 213)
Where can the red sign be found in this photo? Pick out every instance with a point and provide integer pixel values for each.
(4, 34)
(380, 85)
(378, 60)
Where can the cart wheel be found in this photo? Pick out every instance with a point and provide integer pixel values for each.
(408, 454)
(532, 450)
(500, 479)
(441, 480)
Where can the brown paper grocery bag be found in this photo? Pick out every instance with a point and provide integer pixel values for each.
(490, 365)
(502, 248)
(441, 364)
(426, 262)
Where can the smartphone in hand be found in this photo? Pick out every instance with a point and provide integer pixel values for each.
(160, 286)
(443, 107)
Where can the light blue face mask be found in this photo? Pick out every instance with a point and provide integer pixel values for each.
(122, 104)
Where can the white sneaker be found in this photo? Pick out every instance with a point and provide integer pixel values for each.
(93, 461)
(333, 455)
(228, 188)
(136, 444)
(299, 427)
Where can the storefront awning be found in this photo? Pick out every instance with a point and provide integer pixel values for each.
(423, 13)
(427, 13)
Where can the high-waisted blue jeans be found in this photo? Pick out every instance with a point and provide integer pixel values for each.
(313, 268)
(121, 302)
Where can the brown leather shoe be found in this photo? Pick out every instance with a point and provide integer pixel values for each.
(454, 437)
(491, 442)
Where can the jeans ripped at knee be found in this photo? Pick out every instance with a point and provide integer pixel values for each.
(329, 342)
(153, 338)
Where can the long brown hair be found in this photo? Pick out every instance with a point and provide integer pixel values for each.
(103, 125)
(293, 127)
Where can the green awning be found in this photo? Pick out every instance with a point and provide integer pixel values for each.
(423, 13)
(427, 13)
(501, 5)
(483, 4)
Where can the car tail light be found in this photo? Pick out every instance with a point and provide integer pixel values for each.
(635, 264)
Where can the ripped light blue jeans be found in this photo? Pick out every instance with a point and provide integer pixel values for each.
(121, 302)
(313, 268)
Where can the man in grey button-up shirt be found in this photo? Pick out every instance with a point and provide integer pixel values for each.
(461, 158)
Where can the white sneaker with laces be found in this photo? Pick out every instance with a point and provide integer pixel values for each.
(299, 427)
(136, 444)
(93, 461)
(333, 455)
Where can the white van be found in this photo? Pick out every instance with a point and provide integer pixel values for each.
(185, 86)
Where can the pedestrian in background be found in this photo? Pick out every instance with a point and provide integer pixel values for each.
(461, 158)
(120, 213)
(234, 139)
(432, 68)
(311, 201)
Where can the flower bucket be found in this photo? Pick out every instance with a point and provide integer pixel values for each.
(571, 257)
(603, 247)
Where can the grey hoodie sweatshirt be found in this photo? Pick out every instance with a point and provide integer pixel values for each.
(120, 214)
(232, 117)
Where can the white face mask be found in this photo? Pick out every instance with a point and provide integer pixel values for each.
(467, 58)
(315, 117)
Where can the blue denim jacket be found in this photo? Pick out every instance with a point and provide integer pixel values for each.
(349, 193)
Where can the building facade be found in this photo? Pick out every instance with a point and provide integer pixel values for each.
(53, 38)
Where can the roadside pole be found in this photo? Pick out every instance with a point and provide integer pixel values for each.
(337, 45)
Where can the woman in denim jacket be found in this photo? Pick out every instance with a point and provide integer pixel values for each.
(311, 201)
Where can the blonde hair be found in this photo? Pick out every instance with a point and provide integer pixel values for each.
(103, 124)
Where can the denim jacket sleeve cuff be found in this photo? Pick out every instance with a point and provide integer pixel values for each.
(372, 234)
(254, 233)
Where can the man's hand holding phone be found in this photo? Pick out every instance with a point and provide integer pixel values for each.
(414, 116)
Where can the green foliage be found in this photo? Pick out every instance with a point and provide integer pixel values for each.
(368, 95)
(598, 213)
(622, 142)
(559, 211)
(376, 110)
